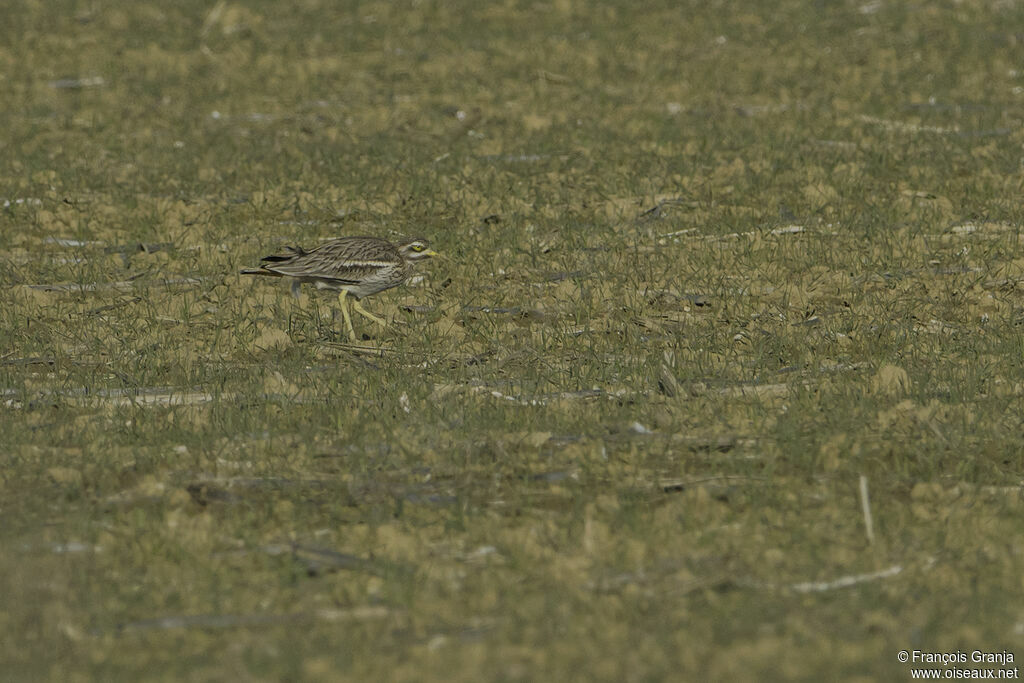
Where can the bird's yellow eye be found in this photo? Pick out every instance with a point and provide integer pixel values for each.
(418, 247)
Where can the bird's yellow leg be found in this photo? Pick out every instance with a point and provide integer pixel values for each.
(344, 313)
(362, 311)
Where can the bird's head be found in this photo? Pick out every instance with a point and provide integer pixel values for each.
(416, 249)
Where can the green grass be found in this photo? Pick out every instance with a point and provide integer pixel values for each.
(600, 442)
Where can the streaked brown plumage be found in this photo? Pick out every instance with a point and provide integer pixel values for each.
(353, 266)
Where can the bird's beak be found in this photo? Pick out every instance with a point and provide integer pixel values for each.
(431, 252)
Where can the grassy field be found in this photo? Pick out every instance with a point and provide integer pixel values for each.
(720, 377)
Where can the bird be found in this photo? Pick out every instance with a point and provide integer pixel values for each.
(355, 267)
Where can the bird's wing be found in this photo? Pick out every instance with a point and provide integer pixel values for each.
(347, 260)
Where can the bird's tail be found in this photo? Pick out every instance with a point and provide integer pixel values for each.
(275, 258)
(280, 258)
